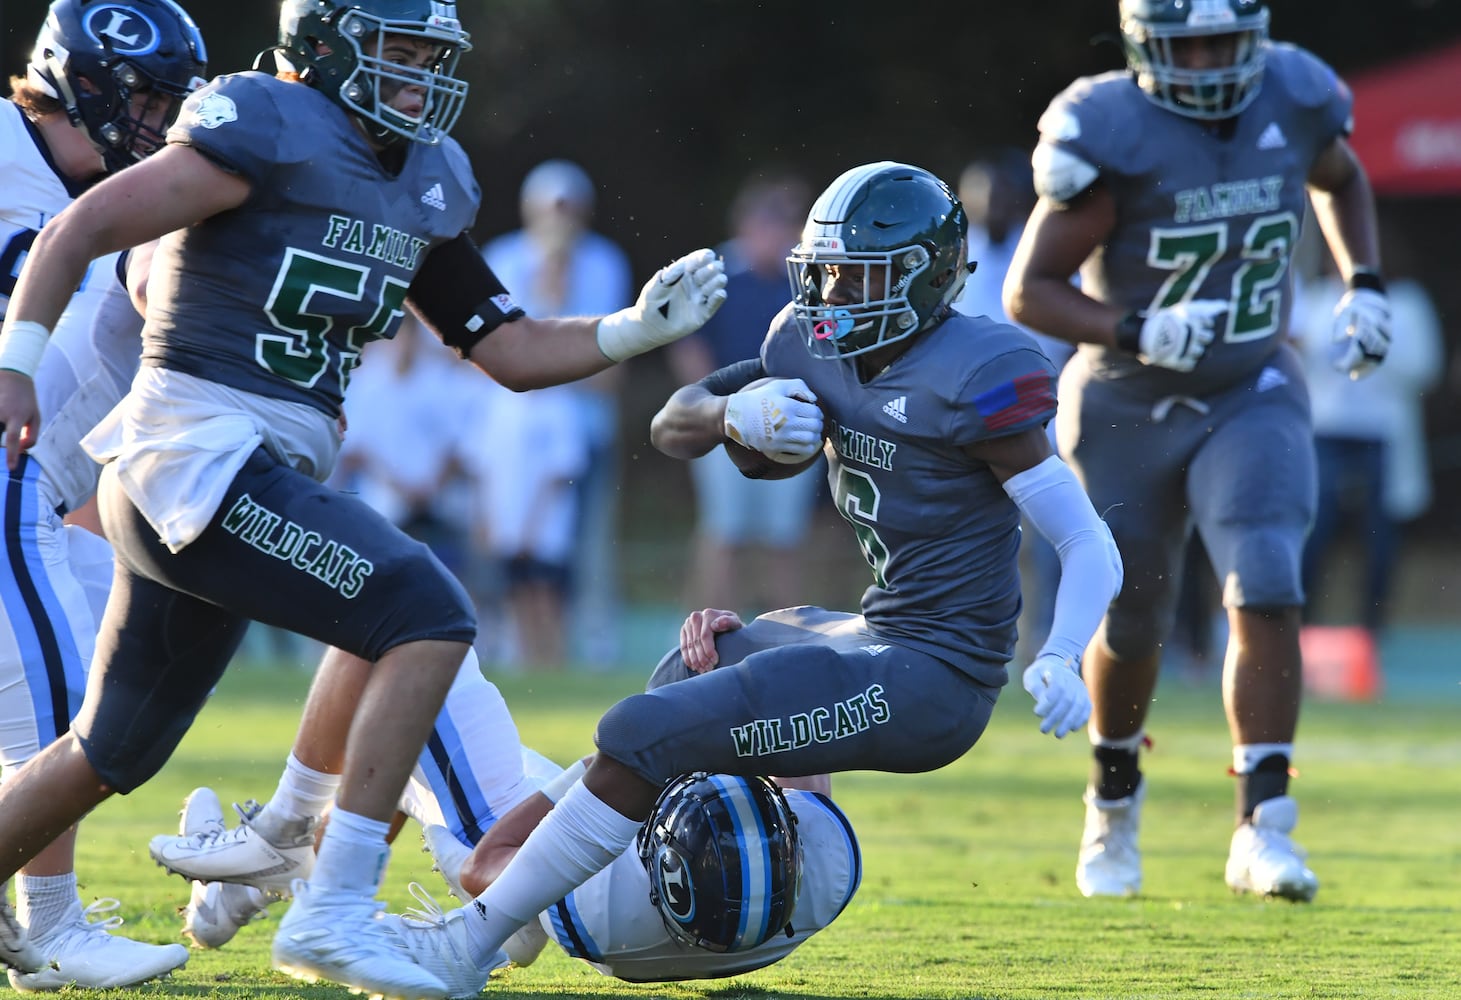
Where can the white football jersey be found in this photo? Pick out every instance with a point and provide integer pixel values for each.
(95, 347)
(610, 923)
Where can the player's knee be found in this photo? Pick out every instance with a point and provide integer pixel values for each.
(1266, 570)
(126, 756)
(1135, 632)
(628, 731)
(428, 603)
(671, 668)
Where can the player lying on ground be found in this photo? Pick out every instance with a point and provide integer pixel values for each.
(475, 784)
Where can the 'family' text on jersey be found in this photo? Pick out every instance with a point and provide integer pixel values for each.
(855, 446)
(1228, 199)
(385, 242)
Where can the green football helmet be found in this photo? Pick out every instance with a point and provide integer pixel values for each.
(336, 46)
(890, 214)
(1149, 29)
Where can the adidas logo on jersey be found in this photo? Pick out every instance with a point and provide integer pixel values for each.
(1270, 378)
(896, 409)
(877, 649)
(435, 198)
(1272, 137)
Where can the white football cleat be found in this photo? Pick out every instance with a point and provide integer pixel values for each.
(1264, 860)
(86, 954)
(1110, 858)
(201, 813)
(438, 942)
(217, 910)
(16, 950)
(448, 854)
(338, 936)
(243, 854)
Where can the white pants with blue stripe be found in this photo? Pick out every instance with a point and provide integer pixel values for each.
(53, 586)
(474, 768)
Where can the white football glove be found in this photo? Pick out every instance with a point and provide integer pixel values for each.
(1061, 699)
(678, 300)
(1176, 337)
(777, 417)
(1361, 337)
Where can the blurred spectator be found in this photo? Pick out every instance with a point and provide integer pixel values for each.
(1369, 435)
(555, 265)
(741, 522)
(402, 451)
(998, 192)
(526, 469)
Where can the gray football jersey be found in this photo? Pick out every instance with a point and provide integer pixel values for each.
(1203, 212)
(937, 528)
(278, 296)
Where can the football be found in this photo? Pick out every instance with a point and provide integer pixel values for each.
(755, 465)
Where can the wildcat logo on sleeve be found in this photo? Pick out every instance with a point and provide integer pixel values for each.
(1016, 401)
(215, 110)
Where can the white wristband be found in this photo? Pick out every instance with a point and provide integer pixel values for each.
(21, 346)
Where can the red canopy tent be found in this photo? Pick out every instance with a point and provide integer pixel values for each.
(1408, 124)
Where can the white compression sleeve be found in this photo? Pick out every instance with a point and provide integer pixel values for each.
(1090, 567)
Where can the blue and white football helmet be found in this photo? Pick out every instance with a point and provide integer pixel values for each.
(94, 57)
(723, 859)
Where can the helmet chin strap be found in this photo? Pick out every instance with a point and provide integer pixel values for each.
(60, 86)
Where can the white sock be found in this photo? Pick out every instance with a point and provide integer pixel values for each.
(353, 853)
(579, 838)
(302, 792)
(43, 901)
(1246, 756)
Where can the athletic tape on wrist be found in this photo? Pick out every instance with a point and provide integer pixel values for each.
(21, 346)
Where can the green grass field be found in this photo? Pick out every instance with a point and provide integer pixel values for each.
(968, 889)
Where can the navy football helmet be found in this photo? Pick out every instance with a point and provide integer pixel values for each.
(336, 46)
(723, 859)
(886, 214)
(1149, 29)
(94, 57)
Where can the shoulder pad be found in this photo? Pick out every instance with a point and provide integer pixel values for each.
(238, 121)
(1311, 84)
(1309, 80)
(1092, 120)
(1060, 174)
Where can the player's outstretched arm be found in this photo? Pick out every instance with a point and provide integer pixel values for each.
(457, 295)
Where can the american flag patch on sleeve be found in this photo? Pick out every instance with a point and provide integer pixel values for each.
(1016, 401)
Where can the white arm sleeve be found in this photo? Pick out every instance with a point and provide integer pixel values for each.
(1090, 567)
